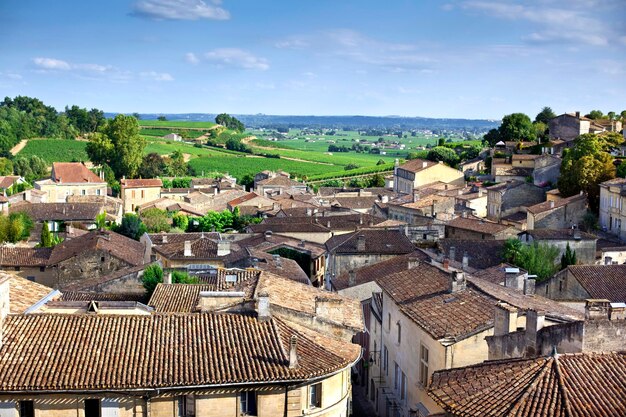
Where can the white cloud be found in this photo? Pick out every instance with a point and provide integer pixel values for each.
(51, 64)
(156, 76)
(179, 10)
(232, 57)
(567, 23)
(292, 43)
(11, 75)
(191, 58)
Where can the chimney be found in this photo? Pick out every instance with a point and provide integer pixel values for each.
(293, 352)
(215, 191)
(551, 204)
(187, 248)
(223, 247)
(529, 286)
(597, 309)
(416, 196)
(351, 278)
(254, 262)
(309, 212)
(452, 253)
(328, 224)
(397, 162)
(168, 278)
(413, 262)
(302, 243)
(360, 243)
(164, 239)
(267, 235)
(446, 264)
(480, 193)
(457, 281)
(361, 219)
(4, 302)
(465, 261)
(384, 199)
(263, 306)
(277, 261)
(217, 300)
(534, 322)
(505, 319)
(578, 115)
(464, 214)
(513, 279)
(424, 164)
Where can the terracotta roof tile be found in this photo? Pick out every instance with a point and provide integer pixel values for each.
(19, 256)
(582, 384)
(379, 241)
(121, 352)
(117, 245)
(141, 183)
(602, 281)
(481, 253)
(479, 226)
(60, 211)
(552, 205)
(24, 293)
(416, 165)
(73, 173)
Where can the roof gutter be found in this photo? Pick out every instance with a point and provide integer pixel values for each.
(42, 302)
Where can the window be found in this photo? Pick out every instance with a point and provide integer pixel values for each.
(372, 390)
(102, 259)
(27, 409)
(132, 194)
(16, 268)
(396, 376)
(30, 278)
(110, 407)
(388, 321)
(315, 395)
(143, 194)
(186, 406)
(423, 365)
(386, 360)
(403, 388)
(42, 268)
(247, 403)
(98, 192)
(374, 353)
(92, 408)
(399, 326)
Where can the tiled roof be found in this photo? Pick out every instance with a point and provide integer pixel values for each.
(141, 183)
(281, 266)
(508, 169)
(282, 181)
(479, 226)
(560, 234)
(119, 246)
(355, 202)
(581, 384)
(73, 173)
(20, 256)
(547, 205)
(341, 222)
(422, 294)
(416, 165)
(248, 197)
(602, 281)
(271, 242)
(615, 181)
(377, 241)
(371, 272)
(24, 293)
(167, 238)
(8, 180)
(202, 248)
(496, 274)
(481, 253)
(121, 352)
(298, 227)
(60, 211)
(101, 296)
(92, 283)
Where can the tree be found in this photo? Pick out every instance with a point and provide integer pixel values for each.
(137, 116)
(545, 115)
(377, 180)
(350, 166)
(441, 142)
(131, 226)
(180, 221)
(441, 153)
(517, 127)
(15, 227)
(6, 166)
(568, 258)
(119, 146)
(162, 118)
(229, 122)
(155, 220)
(152, 276)
(381, 162)
(595, 114)
(511, 250)
(587, 164)
(46, 236)
(537, 259)
(176, 165)
(152, 166)
(492, 137)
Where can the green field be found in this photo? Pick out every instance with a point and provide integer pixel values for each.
(239, 166)
(56, 150)
(167, 123)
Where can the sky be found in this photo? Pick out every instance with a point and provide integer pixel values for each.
(430, 58)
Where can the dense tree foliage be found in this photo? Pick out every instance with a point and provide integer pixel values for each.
(156, 220)
(442, 153)
(545, 115)
(153, 276)
(492, 137)
(588, 164)
(568, 258)
(517, 127)
(119, 146)
(131, 226)
(15, 227)
(537, 259)
(31, 169)
(229, 122)
(85, 121)
(176, 165)
(152, 166)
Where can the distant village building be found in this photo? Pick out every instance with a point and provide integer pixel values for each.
(136, 192)
(613, 207)
(71, 178)
(173, 136)
(419, 172)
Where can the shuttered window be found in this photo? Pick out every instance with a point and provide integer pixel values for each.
(8, 409)
(110, 407)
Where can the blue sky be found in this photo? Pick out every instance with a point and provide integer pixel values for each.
(465, 58)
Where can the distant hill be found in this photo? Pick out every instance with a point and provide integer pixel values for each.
(337, 122)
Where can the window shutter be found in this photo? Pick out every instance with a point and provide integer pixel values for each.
(8, 409)
(110, 407)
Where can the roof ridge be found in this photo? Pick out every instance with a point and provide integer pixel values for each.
(561, 386)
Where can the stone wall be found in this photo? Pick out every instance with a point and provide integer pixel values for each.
(563, 217)
(88, 264)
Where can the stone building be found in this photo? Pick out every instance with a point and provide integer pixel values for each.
(561, 214)
(478, 229)
(363, 247)
(569, 126)
(512, 197)
(577, 283)
(612, 207)
(71, 178)
(136, 192)
(418, 172)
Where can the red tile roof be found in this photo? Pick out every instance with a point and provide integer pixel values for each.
(141, 183)
(602, 281)
(121, 352)
(119, 246)
(479, 226)
(73, 173)
(416, 165)
(582, 384)
(377, 241)
(19, 256)
(547, 205)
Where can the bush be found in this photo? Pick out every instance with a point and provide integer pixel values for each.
(180, 221)
(152, 276)
(156, 220)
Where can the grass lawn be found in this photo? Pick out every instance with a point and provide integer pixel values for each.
(168, 123)
(239, 166)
